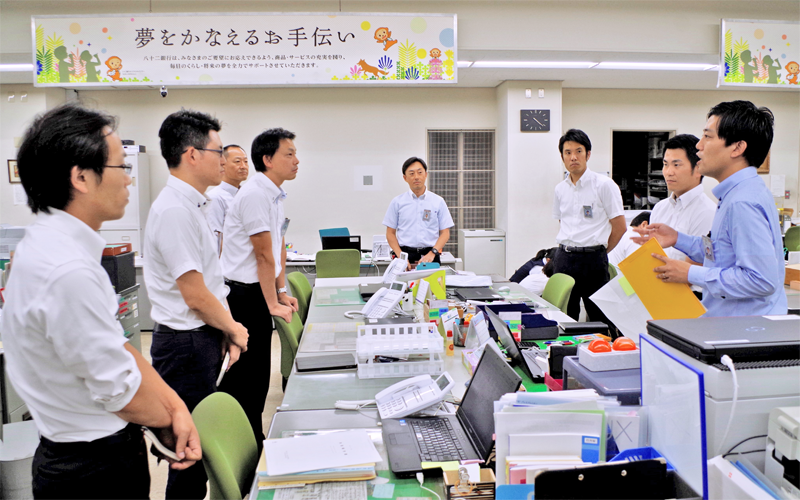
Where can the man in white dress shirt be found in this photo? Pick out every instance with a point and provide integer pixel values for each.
(688, 209)
(193, 327)
(589, 206)
(254, 260)
(87, 389)
(418, 221)
(626, 246)
(236, 170)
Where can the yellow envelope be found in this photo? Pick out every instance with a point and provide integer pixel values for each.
(662, 300)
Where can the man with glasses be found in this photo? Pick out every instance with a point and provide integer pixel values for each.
(236, 170)
(193, 326)
(88, 390)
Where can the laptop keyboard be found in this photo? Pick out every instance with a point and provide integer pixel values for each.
(437, 440)
(527, 344)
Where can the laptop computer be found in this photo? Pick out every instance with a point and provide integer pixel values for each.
(466, 435)
(525, 359)
(743, 338)
(477, 293)
(341, 242)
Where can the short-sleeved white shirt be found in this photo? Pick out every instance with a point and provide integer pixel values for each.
(221, 198)
(692, 214)
(64, 347)
(601, 195)
(257, 208)
(177, 240)
(418, 220)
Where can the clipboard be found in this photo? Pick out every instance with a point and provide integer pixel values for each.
(645, 479)
(662, 300)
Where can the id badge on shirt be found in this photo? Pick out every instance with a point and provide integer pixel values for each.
(426, 215)
(284, 227)
(708, 248)
(587, 212)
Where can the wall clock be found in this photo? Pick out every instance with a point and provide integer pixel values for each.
(534, 120)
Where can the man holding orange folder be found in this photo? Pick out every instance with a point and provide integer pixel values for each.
(743, 267)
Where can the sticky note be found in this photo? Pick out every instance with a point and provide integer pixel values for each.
(626, 287)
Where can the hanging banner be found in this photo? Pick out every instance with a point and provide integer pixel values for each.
(244, 49)
(759, 53)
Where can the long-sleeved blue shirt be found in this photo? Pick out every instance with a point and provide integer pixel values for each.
(746, 276)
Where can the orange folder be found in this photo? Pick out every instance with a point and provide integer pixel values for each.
(662, 300)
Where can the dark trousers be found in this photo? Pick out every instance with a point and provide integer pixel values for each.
(189, 362)
(414, 254)
(248, 379)
(590, 271)
(111, 467)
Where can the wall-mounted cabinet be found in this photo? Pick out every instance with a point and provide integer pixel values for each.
(637, 160)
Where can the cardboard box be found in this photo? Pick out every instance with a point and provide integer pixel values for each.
(792, 274)
(116, 249)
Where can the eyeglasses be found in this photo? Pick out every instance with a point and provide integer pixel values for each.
(219, 151)
(128, 169)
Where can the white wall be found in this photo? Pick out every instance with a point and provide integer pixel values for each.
(339, 133)
(15, 117)
(599, 111)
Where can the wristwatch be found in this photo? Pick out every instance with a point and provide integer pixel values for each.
(435, 252)
(282, 290)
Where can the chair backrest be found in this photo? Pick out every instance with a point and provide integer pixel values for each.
(290, 334)
(334, 231)
(792, 239)
(301, 290)
(558, 289)
(612, 271)
(345, 263)
(230, 454)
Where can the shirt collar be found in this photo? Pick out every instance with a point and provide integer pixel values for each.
(687, 197)
(228, 188)
(721, 189)
(586, 177)
(194, 196)
(85, 237)
(275, 192)
(421, 197)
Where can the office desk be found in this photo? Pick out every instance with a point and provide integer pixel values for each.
(321, 390)
(338, 419)
(368, 266)
(793, 300)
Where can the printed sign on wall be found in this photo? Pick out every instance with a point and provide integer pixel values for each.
(244, 49)
(759, 53)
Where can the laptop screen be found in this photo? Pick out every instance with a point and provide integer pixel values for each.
(493, 378)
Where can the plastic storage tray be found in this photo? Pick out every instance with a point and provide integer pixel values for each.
(636, 454)
(420, 343)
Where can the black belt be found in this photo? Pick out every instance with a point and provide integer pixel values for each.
(126, 433)
(421, 250)
(159, 328)
(243, 285)
(595, 248)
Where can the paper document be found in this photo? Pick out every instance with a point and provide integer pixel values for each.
(300, 454)
(325, 491)
(662, 300)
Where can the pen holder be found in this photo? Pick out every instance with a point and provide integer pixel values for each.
(483, 488)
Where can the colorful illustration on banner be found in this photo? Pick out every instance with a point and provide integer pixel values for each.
(114, 64)
(384, 36)
(792, 70)
(435, 64)
(371, 69)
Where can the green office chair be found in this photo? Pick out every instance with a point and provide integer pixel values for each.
(290, 334)
(344, 263)
(230, 453)
(612, 272)
(558, 289)
(301, 290)
(791, 240)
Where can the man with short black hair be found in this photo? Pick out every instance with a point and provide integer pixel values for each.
(254, 263)
(236, 170)
(193, 327)
(88, 390)
(418, 221)
(688, 209)
(743, 267)
(589, 207)
(626, 246)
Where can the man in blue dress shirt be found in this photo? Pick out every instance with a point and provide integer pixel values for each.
(743, 267)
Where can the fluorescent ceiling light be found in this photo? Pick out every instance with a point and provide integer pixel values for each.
(464, 64)
(534, 64)
(657, 66)
(16, 67)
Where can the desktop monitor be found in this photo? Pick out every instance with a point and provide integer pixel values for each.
(341, 242)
